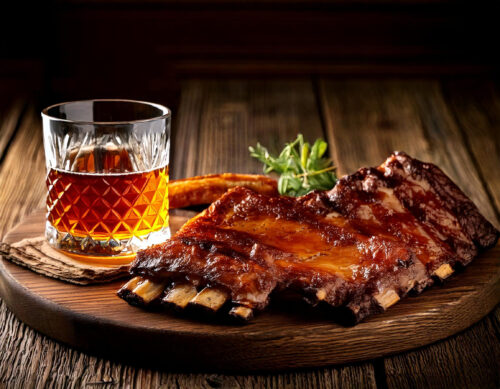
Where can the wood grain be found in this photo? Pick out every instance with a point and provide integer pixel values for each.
(9, 118)
(22, 173)
(218, 120)
(476, 107)
(470, 360)
(93, 318)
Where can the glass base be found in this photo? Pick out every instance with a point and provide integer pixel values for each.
(82, 247)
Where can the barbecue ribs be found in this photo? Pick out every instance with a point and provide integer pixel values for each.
(379, 234)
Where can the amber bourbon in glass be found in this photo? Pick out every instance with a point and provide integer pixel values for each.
(107, 177)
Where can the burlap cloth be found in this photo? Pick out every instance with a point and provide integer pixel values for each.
(37, 255)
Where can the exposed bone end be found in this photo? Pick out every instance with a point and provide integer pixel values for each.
(132, 284)
(180, 295)
(321, 294)
(241, 313)
(149, 290)
(126, 291)
(140, 291)
(210, 299)
(387, 298)
(443, 271)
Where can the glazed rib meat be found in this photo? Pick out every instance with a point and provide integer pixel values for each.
(377, 235)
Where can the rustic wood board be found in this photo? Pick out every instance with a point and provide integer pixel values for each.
(288, 336)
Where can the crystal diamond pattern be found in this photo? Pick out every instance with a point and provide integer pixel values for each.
(108, 207)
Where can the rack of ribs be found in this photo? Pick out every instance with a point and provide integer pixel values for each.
(378, 235)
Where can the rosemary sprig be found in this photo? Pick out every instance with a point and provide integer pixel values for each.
(302, 168)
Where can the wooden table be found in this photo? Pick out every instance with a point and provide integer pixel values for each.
(455, 124)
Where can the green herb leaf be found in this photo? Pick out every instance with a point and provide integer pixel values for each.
(302, 168)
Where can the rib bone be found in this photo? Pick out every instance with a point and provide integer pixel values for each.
(387, 298)
(180, 295)
(149, 290)
(444, 271)
(321, 294)
(132, 284)
(241, 312)
(140, 291)
(211, 299)
(127, 291)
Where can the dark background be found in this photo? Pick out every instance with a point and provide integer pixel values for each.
(78, 49)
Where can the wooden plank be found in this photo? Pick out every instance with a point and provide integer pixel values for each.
(22, 173)
(367, 120)
(218, 120)
(476, 107)
(9, 118)
(468, 360)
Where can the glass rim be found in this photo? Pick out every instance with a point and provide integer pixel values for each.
(166, 112)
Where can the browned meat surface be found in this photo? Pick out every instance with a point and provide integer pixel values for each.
(379, 234)
(198, 190)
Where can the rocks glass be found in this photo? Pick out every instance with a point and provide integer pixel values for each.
(107, 177)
